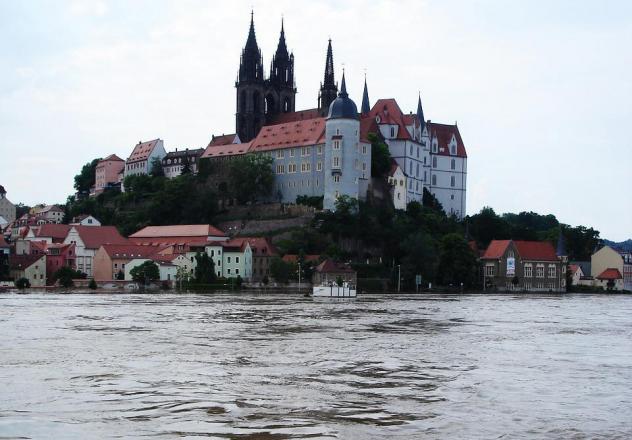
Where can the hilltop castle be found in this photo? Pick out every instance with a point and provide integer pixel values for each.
(325, 151)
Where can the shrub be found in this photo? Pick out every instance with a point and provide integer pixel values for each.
(92, 284)
(22, 283)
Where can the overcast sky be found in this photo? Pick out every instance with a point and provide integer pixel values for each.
(541, 90)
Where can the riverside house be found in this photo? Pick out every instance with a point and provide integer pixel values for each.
(523, 265)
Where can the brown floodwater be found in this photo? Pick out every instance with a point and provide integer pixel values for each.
(271, 367)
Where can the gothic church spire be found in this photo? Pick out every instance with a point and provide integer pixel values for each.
(420, 114)
(328, 89)
(366, 107)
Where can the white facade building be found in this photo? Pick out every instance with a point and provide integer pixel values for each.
(142, 157)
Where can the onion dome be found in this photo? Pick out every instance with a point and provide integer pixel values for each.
(343, 107)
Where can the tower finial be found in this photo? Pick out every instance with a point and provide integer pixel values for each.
(343, 87)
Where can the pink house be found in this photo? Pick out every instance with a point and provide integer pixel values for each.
(107, 172)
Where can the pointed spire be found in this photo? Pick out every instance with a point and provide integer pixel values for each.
(366, 107)
(252, 39)
(343, 87)
(329, 67)
(420, 113)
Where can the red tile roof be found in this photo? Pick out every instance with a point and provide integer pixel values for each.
(142, 150)
(527, 250)
(111, 157)
(130, 251)
(394, 167)
(21, 262)
(261, 246)
(536, 250)
(329, 266)
(610, 274)
(290, 134)
(444, 133)
(300, 115)
(56, 232)
(368, 125)
(94, 237)
(225, 139)
(389, 112)
(178, 231)
(227, 150)
(496, 249)
(573, 268)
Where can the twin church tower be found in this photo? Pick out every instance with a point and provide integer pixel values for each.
(260, 100)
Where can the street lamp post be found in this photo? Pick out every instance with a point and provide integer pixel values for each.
(399, 277)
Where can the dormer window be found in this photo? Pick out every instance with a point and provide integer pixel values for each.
(392, 132)
(453, 149)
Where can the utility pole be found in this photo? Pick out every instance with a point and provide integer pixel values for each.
(399, 277)
(299, 277)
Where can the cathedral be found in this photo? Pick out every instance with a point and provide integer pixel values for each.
(326, 151)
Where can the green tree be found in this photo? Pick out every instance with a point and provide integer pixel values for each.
(92, 284)
(487, 226)
(65, 276)
(120, 275)
(204, 269)
(156, 169)
(419, 257)
(86, 178)
(281, 271)
(428, 200)
(251, 177)
(457, 262)
(145, 273)
(380, 156)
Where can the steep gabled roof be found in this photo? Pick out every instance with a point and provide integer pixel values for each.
(291, 134)
(390, 113)
(94, 237)
(225, 139)
(142, 150)
(368, 125)
(21, 262)
(444, 133)
(527, 250)
(536, 250)
(261, 246)
(227, 150)
(496, 249)
(111, 157)
(52, 230)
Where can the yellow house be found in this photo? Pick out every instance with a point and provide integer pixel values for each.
(606, 265)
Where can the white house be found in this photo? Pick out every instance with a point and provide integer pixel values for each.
(397, 181)
(85, 220)
(142, 157)
(88, 240)
(167, 270)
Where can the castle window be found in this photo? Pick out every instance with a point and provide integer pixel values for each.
(393, 132)
(434, 162)
(528, 270)
(363, 166)
(337, 178)
(453, 149)
(319, 167)
(551, 271)
(425, 177)
(451, 196)
(453, 164)
(336, 145)
(291, 152)
(337, 131)
(434, 179)
(319, 149)
(364, 149)
(336, 162)
(539, 271)
(452, 181)
(279, 154)
(411, 150)
(417, 170)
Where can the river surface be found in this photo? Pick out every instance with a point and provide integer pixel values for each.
(272, 367)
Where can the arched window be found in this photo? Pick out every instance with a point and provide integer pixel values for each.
(286, 105)
(434, 179)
